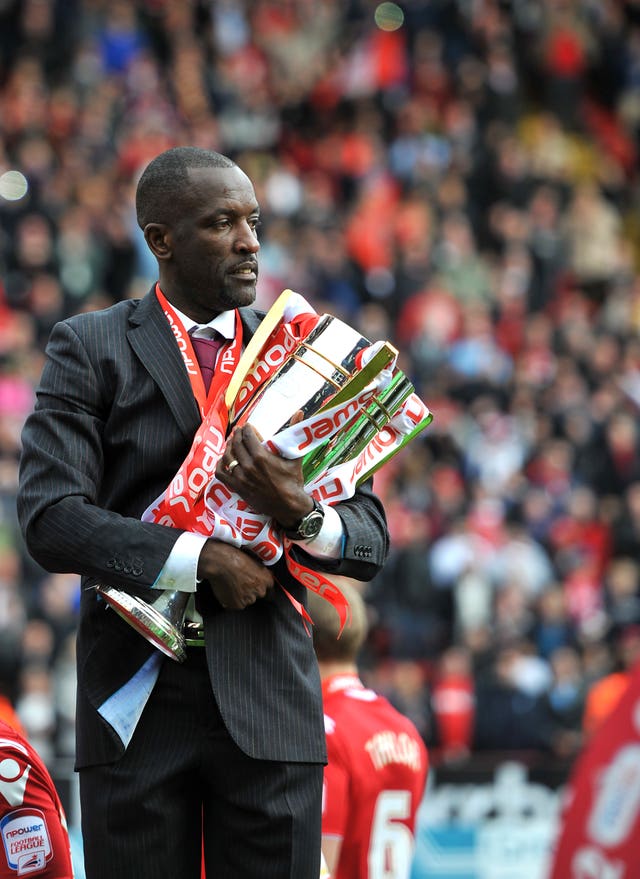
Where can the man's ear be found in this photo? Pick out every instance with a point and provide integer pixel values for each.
(158, 240)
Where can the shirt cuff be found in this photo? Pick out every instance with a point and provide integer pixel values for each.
(327, 544)
(181, 567)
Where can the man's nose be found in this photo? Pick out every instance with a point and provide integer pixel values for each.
(247, 240)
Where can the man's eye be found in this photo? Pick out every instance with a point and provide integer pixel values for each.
(255, 224)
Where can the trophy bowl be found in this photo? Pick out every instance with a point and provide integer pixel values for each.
(310, 375)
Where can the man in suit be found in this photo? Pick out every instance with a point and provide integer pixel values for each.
(228, 746)
(377, 769)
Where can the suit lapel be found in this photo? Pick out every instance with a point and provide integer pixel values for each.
(151, 338)
(251, 320)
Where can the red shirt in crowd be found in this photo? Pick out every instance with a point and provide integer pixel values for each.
(33, 828)
(373, 783)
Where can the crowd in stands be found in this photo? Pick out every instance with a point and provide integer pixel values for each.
(465, 186)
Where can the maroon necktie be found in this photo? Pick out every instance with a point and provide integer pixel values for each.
(206, 350)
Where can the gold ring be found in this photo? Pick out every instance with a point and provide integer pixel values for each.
(232, 465)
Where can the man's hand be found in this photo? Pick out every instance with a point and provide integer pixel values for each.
(237, 578)
(270, 484)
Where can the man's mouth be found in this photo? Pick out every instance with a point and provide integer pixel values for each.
(247, 271)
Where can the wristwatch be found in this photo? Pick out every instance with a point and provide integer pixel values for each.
(309, 526)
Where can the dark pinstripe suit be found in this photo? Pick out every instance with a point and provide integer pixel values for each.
(114, 419)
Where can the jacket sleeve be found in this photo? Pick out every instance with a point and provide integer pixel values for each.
(61, 471)
(366, 538)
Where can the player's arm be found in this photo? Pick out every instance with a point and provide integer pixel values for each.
(331, 846)
(335, 806)
(324, 868)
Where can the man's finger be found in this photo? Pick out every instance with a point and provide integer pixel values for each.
(250, 437)
(297, 417)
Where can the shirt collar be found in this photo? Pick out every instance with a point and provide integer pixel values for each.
(341, 681)
(224, 323)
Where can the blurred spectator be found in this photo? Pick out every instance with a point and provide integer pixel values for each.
(413, 613)
(119, 37)
(615, 460)
(64, 693)
(9, 670)
(521, 558)
(553, 628)
(510, 712)
(622, 593)
(626, 524)
(453, 701)
(404, 684)
(593, 241)
(580, 537)
(494, 447)
(603, 695)
(38, 643)
(564, 701)
(36, 710)
(12, 609)
(8, 714)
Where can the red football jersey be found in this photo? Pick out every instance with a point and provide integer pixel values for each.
(34, 834)
(373, 783)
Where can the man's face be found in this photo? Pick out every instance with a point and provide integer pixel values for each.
(214, 246)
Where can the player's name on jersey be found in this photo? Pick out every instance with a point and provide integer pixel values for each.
(387, 747)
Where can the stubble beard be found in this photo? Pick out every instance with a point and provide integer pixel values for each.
(236, 295)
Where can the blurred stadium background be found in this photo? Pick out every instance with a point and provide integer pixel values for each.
(456, 176)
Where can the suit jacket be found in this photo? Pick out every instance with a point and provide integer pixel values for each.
(114, 419)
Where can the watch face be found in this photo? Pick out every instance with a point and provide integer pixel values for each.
(311, 524)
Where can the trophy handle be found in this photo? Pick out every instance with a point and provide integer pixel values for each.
(158, 617)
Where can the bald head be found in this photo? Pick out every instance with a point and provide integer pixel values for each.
(164, 181)
(328, 647)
